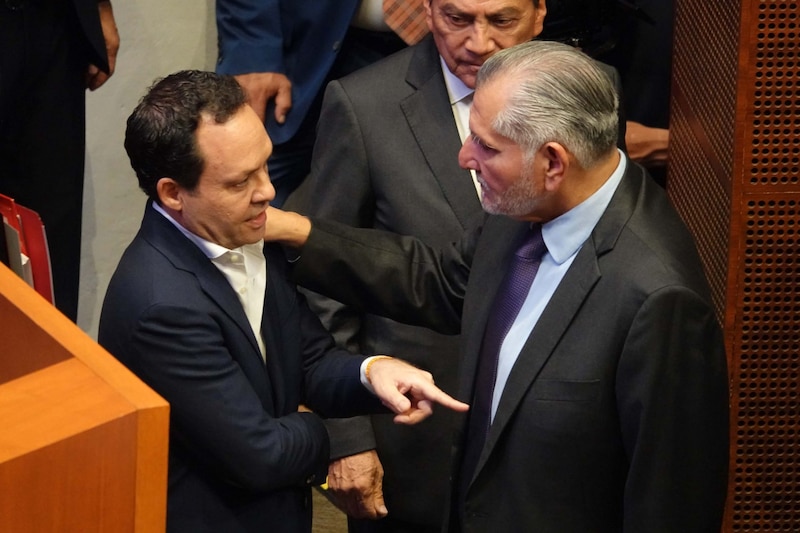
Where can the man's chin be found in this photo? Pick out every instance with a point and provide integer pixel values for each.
(490, 207)
(468, 74)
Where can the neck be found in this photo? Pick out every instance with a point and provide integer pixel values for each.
(586, 182)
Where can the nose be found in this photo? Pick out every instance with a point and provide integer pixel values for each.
(264, 191)
(480, 41)
(466, 158)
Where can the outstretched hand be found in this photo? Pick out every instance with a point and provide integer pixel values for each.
(286, 227)
(408, 391)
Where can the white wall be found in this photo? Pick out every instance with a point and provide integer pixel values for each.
(158, 37)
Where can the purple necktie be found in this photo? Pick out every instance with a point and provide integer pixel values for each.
(506, 305)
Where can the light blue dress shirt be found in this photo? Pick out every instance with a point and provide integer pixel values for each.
(564, 237)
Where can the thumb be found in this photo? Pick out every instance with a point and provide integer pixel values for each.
(283, 103)
(394, 400)
(380, 505)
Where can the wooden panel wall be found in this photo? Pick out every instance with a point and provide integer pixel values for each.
(735, 176)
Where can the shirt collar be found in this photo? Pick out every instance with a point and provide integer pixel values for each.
(211, 250)
(565, 234)
(456, 90)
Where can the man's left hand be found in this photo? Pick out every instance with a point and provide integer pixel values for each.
(356, 484)
(94, 76)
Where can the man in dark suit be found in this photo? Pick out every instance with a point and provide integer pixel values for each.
(51, 52)
(386, 157)
(609, 404)
(201, 310)
(283, 52)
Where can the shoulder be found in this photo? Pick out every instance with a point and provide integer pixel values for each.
(387, 71)
(642, 238)
(409, 64)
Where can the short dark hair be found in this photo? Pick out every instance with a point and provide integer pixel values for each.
(160, 136)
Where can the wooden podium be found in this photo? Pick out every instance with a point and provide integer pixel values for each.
(83, 442)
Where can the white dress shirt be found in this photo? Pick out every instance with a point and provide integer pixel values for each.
(245, 268)
(460, 103)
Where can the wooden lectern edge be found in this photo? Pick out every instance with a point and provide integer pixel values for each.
(76, 342)
(152, 410)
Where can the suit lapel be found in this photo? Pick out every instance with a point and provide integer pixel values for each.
(185, 255)
(272, 333)
(574, 288)
(565, 303)
(430, 119)
(491, 259)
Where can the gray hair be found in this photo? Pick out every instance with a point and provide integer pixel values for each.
(561, 95)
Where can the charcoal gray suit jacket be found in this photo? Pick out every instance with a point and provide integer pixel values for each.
(615, 415)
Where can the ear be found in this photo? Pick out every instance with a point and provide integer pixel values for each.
(428, 13)
(538, 17)
(558, 162)
(169, 194)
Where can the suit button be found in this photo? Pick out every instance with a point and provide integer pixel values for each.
(311, 479)
(337, 45)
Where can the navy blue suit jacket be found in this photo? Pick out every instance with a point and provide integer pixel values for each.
(241, 456)
(298, 38)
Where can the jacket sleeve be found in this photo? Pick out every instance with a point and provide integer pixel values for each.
(339, 151)
(215, 413)
(338, 188)
(250, 36)
(672, 393)
(395, 276)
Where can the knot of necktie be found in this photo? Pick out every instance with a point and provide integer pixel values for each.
(532, 247)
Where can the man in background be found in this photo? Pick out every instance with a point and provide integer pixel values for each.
(52, 51)
(283, 53)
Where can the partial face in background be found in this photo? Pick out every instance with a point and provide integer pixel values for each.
(228, 206)
(468, 32)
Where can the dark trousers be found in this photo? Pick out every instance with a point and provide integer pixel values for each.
(388, 525)
(290, 162)
(42, 128)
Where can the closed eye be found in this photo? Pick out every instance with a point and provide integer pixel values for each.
(480, 144)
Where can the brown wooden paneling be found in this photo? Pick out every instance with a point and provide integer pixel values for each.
(735, 178)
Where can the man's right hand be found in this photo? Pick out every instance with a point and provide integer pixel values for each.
(356, 484)
(261, 87)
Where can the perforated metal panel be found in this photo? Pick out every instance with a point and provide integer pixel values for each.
(765, 491)
(734, 171)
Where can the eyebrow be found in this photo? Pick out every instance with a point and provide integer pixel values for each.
(507, 11)
(479, 140)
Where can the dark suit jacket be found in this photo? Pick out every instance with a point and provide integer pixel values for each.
(241, 457)
(614, 417)
(386, 157)
(89, 18)
(299, 38)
